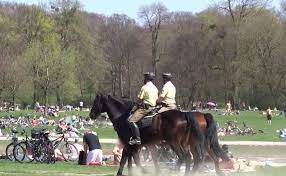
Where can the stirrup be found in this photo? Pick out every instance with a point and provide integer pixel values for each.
(133, 141)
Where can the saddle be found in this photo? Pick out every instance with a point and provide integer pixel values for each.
(148, 119)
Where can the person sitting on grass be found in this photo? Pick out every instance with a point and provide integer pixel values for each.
(58, 155)
(92, 148)
(34, 121)
(72, 131)
(61, 127)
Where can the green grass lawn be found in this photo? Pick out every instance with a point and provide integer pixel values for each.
(32, 112)
(60, 168)
(256, 121)
(267, 171)
(253, 119)
(72, 169)
(258, 151)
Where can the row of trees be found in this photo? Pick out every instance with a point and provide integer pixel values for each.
(57, 53)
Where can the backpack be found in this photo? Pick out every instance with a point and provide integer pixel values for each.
(82, 158)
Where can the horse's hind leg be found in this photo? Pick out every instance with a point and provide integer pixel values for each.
(122, 162)
(216, 162)
(197, 160)
(188, 159)
(180, 155)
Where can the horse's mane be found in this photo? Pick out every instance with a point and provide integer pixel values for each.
(129, 103)
(122, 103)
(120, 124)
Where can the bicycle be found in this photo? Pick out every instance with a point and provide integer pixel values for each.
(45, 149)
(10, 147)
(38, 148)
(68, 151)
(23, 151)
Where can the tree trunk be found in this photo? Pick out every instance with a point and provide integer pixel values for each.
(113, 82)
(121, 81)
(13, 101)
(35, 97)
(1, 94)
(154, 62)
(46, 101)
(59, 97)
(46, 92)
(129, 77)
(35, 74)
(81, 89)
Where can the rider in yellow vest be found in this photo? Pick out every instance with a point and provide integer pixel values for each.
(168, 94)
(147, 97)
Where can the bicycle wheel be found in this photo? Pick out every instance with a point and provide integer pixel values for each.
(51, 153)
(45, 153)
(9, 151)
(69, 152)
(41, 151)
(23, 152)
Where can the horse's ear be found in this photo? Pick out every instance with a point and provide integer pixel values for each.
(98, 95)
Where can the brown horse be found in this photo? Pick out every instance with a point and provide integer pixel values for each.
(183, 131)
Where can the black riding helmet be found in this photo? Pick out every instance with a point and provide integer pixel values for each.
(150, 76)
(167, 76)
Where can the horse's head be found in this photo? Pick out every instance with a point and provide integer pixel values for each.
(115, 108)
(97, 107)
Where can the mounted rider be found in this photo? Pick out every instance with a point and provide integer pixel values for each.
(168, 94)
(147, 97)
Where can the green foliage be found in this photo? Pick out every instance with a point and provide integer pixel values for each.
(257, 121)
(61, 54)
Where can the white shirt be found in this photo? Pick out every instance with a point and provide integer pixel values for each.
(149, 94)
(168, 93)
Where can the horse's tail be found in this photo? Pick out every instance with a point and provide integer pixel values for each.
(212, 138)
(196, 133)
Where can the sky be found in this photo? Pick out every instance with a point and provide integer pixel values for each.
(130, 7)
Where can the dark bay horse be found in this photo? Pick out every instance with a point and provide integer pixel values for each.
(183, 131)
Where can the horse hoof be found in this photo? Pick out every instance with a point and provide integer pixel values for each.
(144, 171)
(220, 174)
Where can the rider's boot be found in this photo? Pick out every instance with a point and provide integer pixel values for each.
(135, 140)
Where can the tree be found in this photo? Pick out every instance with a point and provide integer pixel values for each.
(264, 55)
(119, 43)
(15, 77)
(65, 14)
(50, 62)
(238, 11)
(153, 16)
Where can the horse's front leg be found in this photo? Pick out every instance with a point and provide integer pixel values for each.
(137, 161)
(122, 162)
(130, 165)
(154, 154)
